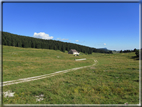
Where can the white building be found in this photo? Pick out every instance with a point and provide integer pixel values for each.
(73, 51)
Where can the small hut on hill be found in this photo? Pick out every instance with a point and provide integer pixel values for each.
(73, 51)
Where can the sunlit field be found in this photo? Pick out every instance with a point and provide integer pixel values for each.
(113, 80)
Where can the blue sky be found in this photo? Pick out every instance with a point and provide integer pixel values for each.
(111, 25)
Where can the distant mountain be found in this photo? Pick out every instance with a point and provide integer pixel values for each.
(103, 48)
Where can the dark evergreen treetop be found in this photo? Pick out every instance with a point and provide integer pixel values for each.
(30, 42)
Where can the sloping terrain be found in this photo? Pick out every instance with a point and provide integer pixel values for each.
(27, 62)
(114, 80)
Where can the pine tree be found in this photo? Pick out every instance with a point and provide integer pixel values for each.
(121, 51)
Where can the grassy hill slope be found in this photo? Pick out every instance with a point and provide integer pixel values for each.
(27, 62)
(114, 80)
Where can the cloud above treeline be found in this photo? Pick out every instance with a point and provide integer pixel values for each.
(62, 39)
(42, 35)
(77, 40)
(104, 43)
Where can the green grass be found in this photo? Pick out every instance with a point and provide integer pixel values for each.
(27, 62)
(114, 80)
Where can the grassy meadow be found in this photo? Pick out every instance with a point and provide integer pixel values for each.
(114, 80)
(26, 62)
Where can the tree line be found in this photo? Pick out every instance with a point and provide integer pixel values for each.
(138, 54)
(127, 51)
(10, 39)
(135, 50)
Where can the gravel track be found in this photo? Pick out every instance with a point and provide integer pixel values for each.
(42, 76)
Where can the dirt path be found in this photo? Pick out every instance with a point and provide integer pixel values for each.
(42, 76)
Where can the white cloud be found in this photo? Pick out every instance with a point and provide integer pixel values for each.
(62, 39)
(42, 35)
(104, 43)
(77, 40)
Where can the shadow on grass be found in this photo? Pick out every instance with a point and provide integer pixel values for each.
(135, 57)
